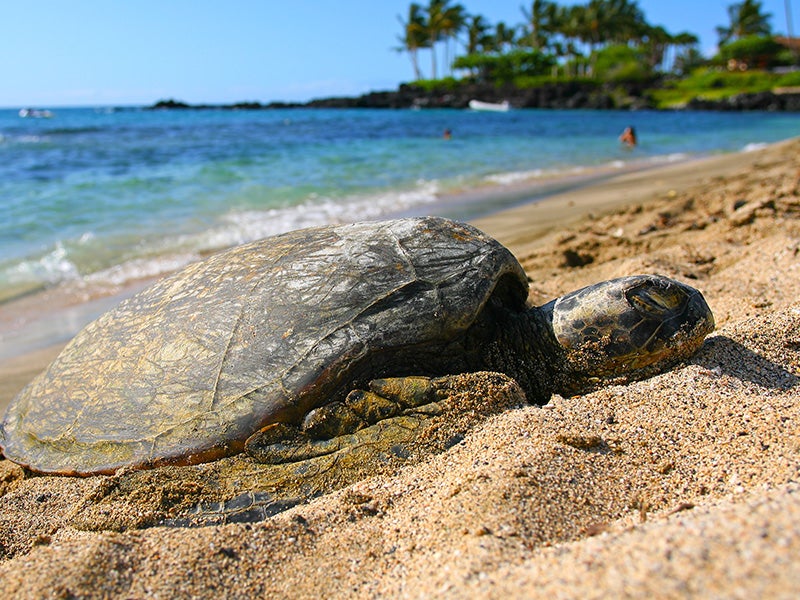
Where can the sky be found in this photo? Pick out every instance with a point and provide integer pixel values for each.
(135, 52)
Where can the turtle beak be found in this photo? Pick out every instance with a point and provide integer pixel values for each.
(699, 312)
(663, 310)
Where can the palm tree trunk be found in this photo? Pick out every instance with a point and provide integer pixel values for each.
(787, 5)
(433, 58)
(415, 64)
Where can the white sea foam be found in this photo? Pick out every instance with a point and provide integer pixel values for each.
(172, 253)
(53, 267)
(141, 268)
(245, 226)
(669, 158)
(513, 176)
(169, 253)
(753, 146)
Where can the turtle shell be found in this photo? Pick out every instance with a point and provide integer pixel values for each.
(188, 369)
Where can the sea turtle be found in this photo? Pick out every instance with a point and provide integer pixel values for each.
(257, 347)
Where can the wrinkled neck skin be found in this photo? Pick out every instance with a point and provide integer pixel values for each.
(525, 348)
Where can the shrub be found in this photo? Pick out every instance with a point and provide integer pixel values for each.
(789, 80)
(505, 67)
(447, 84)
(621, 63)
(754, 51)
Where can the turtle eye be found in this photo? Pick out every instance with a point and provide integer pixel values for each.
(655, 300)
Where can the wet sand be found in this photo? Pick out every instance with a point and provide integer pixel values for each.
(685, 484)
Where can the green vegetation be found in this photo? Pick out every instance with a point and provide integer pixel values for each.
(621, 64)
(757, 51)
(604, 41)
(708, 85)
(505, 68)
(712, 84)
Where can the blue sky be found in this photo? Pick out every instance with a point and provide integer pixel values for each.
(115, 52)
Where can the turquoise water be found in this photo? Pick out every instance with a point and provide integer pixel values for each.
(97, 197)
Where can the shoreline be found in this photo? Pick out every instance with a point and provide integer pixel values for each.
(36, 326)
(552, 95)
(562, 208)
(199, 204)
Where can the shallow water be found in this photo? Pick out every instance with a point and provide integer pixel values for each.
(96, 198)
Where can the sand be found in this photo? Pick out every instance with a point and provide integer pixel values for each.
(685, 484)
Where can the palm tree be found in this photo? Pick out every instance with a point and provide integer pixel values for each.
(504, 36)
(444, 22)
(603, 21)
(787, 7)
(657, 41)
(592, 23)
(615, 21)
(746, 18)
(478, 37)
(687, 60)
(569, 23)
(625, 21)
(479, 40)
(541, 22)
(414, 36)
(685, 48)
(455, 19)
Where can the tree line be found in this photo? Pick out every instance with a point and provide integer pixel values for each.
(559, 38)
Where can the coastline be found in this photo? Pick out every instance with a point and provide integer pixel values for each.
(96, 230)
(35, 327)
(685, 484)
(557, 95)
(518, 227)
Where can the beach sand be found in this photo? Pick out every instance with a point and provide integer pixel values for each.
(682, 485)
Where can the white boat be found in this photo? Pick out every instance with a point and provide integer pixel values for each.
(33, 113)
(491, 106)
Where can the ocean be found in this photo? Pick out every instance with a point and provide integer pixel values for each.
(93, 199)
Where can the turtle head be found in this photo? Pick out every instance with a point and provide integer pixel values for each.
(627, 328)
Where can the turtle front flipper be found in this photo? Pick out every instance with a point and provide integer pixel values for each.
(390, 411)
(240, 489)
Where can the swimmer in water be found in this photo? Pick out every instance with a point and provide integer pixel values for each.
(628, 137)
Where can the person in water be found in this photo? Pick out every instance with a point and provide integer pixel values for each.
(628, 137)
(447, 134)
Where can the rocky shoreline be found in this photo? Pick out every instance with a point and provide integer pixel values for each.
(561, 95)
